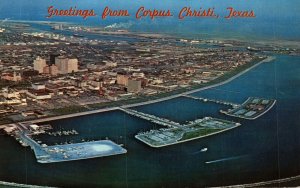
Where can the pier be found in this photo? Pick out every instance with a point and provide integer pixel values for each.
(234, 105)
(63, 133)
(175, 133)
(151, 118)
(199, 128)
(25, 140)
(66, 152)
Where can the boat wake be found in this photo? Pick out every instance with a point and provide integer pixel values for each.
(226, 159)
(199, 151)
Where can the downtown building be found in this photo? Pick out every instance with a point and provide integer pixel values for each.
(38, 92)
(134, 85)
(39, 64)
(122, 79)
(66, 65)
(52, 70)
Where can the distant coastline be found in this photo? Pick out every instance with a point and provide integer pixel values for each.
(263, 183)
(247, 38)
(21, 185)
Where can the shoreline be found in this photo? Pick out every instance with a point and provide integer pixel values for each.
(11, 184)
(263, 183)
(107, 109)
(292, 43)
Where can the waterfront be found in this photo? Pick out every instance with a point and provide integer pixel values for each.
(270, 141)
(168, 96)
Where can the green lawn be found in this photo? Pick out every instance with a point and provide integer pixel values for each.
(69, 110)
(198, 133)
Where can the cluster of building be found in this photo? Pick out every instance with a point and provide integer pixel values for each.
(60, 65)
(53, 73)
(11, 96)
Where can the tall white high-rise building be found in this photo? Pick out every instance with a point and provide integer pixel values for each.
(60, 61)
(72, 65)
(39, 64)
(65, 65)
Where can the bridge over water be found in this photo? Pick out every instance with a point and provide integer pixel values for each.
(151, 118)
(234, 105)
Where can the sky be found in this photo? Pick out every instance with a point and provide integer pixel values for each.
(280, 18)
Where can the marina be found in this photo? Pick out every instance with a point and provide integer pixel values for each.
(257, 140)
(176, 133)
(162, 102)
(65, 133)
(60, 153)
(79, 151)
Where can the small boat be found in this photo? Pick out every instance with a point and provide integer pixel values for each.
(77, 35)
(203, 150)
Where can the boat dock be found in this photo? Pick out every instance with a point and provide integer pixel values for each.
(66, 152)
(63, 133)
(234, 105)
(79, 151)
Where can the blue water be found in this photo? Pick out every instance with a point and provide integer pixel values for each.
(47, 28)
(264, 149)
